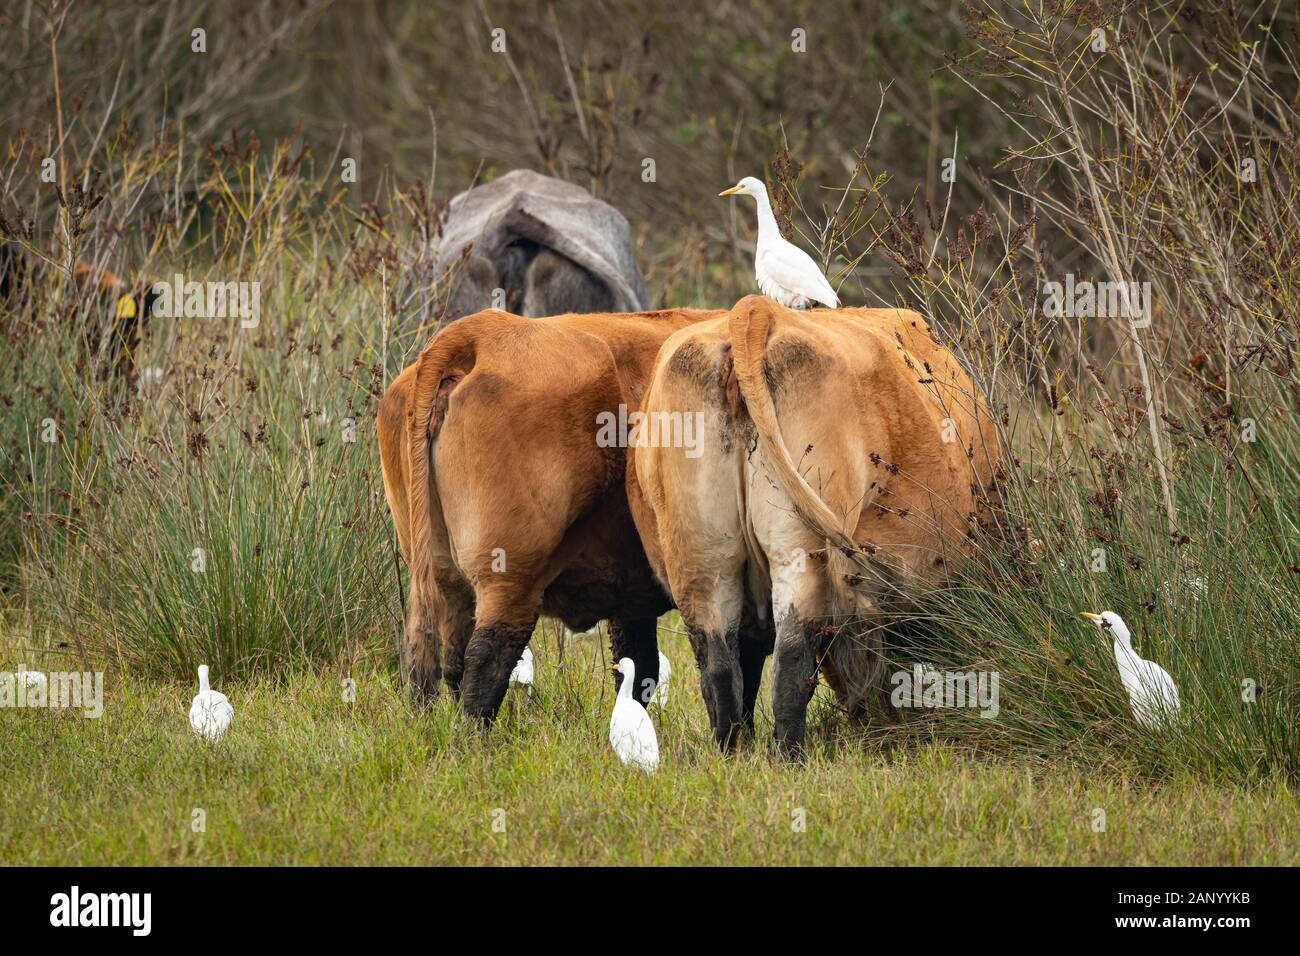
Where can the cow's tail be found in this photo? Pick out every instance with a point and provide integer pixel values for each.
(750, 324)
(454, 347)
(856, 663)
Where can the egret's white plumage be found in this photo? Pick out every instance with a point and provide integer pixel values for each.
(630, 732)
(523, 672)
(785, 273)
(1151, 691)
(665, 674)
(210, 713)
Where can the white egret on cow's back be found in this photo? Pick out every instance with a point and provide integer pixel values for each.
(665, 674)
(631, 733)
(523, 672)
(1151, 691)
(784, 271)
(210, 713)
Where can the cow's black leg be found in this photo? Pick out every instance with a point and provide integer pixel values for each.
(490, 656)
(794, 678)
(721, 683)
(638, 639)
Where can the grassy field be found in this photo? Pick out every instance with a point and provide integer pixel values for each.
(306, 777)
(218, 497)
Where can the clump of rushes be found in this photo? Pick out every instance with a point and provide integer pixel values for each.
(1151, 469)
(222, 501)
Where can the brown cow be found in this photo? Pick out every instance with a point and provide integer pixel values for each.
(505, 503)
(845, 452)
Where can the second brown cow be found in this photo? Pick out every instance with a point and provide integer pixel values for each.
(507, 505)
(845, 457)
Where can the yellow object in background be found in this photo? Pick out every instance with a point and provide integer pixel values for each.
(126, 307)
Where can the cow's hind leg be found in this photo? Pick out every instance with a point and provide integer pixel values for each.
(713, 626)
(505, 618)
(637, 638)
(698, 502)
(801, 611)
(492, 652)
(794, 678)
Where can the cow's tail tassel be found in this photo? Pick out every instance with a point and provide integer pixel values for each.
(749, 326)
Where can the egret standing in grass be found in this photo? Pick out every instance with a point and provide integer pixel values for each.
(630, 732)
(784, 272)
(1151, 691)
(210, 713)
(665, 673)
(523, 672)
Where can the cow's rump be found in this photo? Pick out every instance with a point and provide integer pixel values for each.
(505, 503)
(846, 455)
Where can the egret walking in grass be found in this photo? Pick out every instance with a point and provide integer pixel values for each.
(665, 673)
(523, 672)
(630, 732)
(210, 713)
(1151, 691)
(784, 272)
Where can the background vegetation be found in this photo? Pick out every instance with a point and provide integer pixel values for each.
(1170, 156)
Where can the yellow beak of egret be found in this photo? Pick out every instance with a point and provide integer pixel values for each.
(730, 192)
(1095, 618)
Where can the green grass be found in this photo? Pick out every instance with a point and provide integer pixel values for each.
(237, 446)
(305, 777)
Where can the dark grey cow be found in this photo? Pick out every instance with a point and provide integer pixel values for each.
(548, 245)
